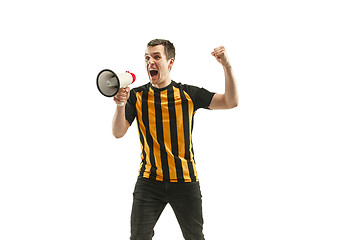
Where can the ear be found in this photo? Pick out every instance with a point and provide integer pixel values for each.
(171, 63)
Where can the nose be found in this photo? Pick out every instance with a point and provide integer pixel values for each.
(150, 60)
(150, 63)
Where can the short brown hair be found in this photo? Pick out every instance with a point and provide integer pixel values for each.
(168, 46)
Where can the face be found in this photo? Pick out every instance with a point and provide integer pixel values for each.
(157, 66)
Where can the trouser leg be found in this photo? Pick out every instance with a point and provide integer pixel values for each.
(185, 200)
(147, 208)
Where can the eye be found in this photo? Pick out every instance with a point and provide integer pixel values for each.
(147, 57)
(157, 57)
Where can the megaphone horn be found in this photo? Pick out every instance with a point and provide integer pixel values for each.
(109, 82)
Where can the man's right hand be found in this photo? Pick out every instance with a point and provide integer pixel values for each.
(122, 96)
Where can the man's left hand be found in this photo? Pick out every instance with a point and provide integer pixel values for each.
(221, 56)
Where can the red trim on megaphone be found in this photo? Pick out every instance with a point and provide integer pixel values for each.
(133, 76)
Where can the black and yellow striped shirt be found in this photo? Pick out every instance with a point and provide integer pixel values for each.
(165, 121)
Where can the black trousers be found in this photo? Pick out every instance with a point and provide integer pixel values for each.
(150, 199)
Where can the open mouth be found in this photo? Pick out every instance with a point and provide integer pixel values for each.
(153, 72)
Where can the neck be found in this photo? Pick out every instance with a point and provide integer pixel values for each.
(162, 84)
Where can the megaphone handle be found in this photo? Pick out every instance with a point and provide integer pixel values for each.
(121, 104)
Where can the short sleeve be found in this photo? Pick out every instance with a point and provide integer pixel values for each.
(200, 96)
(130, 107)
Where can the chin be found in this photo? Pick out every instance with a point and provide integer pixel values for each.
(154, 81)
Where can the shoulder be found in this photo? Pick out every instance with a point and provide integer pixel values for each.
(200, 96)
(190, 89)
(141, 88)
(134, 93)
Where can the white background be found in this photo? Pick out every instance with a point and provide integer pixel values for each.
(283, 165)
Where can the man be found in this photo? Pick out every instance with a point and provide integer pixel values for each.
(164, 112)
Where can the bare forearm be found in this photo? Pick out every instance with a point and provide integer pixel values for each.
(230, 98)
(231, 92)
(119, 125)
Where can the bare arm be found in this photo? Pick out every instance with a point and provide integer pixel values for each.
(230, 98)
(119, 124)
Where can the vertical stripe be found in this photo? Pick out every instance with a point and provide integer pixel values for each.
(152, 130)
(143, 153)
(167, 134)
(189, 116)
(149, 140)
(160, 134)
(173, 101)
(145, 165)
(180, 136)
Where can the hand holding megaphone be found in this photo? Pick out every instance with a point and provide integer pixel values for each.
(122, 96)
(110, 83)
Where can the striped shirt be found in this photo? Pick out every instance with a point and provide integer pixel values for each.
(165, 122)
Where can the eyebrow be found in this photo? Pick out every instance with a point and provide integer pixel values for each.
(153, 53)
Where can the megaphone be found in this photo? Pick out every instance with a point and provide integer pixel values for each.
(109, 82)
